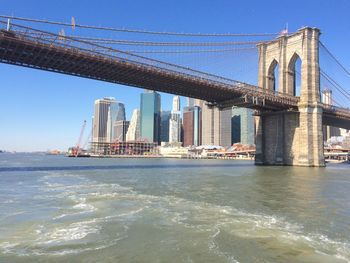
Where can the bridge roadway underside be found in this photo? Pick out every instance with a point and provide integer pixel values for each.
(84, 63)
(331, 119)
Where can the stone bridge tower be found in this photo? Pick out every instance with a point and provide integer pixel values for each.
(291, 137)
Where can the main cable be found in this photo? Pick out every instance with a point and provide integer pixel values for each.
(138, 31)
(154, 43)
(335, 59)
(335, 84)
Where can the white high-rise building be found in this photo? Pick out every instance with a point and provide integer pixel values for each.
(327, 97)
(107, 112)
(133, 133)
(191, 102)
(329, 131)
(175, 121)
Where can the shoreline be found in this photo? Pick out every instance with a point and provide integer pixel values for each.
(166, 157)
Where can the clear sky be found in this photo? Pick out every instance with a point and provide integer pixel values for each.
(41, 110)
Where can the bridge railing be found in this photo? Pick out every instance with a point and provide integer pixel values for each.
(336, 109)
(78, 45)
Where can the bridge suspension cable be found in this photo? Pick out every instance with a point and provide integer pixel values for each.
(188, 51)
(335, 59)
(336, 85)
(139, 31)
(154, 43)
(336, 77)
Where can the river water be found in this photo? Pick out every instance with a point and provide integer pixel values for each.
(58, 209)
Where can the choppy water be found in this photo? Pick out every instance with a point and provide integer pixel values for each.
(57, 209)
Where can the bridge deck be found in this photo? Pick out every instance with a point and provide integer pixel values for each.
(114, 66)
(23, 50)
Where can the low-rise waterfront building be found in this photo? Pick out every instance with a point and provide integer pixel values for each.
(173, 152)
(123, 148)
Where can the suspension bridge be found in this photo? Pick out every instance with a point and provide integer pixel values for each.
(289, 116)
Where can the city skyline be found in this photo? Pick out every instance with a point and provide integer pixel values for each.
(66, 99)
(180, 125)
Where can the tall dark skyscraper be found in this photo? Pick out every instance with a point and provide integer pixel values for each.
(236, 128)
(164, 126)
(192, 126)
(150, 116)
(242, 125)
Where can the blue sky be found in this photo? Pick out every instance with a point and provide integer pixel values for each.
(41, 110)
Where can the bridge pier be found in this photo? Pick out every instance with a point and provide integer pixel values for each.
(311, 151)
(293, 136)
(290, 138)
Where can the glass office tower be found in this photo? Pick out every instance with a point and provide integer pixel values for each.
(164, 126)
(150, 116)
(242, 125)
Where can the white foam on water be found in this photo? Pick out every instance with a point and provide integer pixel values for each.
(15, 248)
(9, 201)
(51, 241)
(203, 216)
(81, 250)
(213, 246)
(8, 247)
(74, 231)
(132, 212)
(82, 205)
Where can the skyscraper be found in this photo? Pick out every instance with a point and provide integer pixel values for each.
(175, 121)
(192, 126)
(150, 116)
(164, 126)
(242, 125)
(328, 131)
(107, 112)
(225, 127)
(120, 130)
(188, 126)
(197, 126)
(209, 127)
(133, 133)
(216, 125)
(190, 102)
(116, 113)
